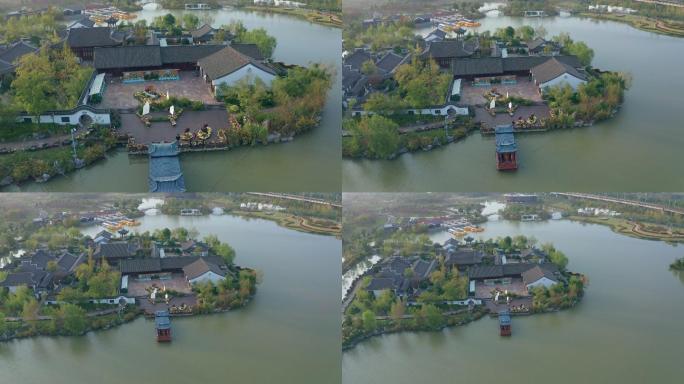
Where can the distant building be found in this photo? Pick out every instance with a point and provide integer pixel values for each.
(541, 46)
(355, 60)
(521, 198)
(83, 41)
(85, 22)
(102, 237)
(114, 252)
(38, 281)
(436, 35)
(203, 34)
(444, 51)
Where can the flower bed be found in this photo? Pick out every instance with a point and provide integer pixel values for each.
(158, 75)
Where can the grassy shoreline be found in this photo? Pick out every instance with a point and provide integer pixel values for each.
(312, 15)
(630, 228)
(667, 27)
(297, 223)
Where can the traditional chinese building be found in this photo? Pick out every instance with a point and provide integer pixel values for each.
(506, 148)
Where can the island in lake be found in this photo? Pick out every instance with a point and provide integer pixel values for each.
(78, 85)
(421, 285)
(71, 284)
(80, 265)
(478, 285)
(406, 92)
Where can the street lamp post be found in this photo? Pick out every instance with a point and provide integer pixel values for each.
(73, 141)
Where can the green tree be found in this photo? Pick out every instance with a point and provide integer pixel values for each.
(525, 33)
(169, 20)
(369, 321)
(397, 311)
(261, 38)
(74, 317)
(377, 135)
(3, 324)
(34, 85)
(582, 51)
(369, 68)
(190, 21)
(432, 316)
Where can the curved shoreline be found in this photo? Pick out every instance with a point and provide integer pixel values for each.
(116, 322)
(479, 313)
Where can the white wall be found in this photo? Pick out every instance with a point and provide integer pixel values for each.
(562, 80)
(249, 71)
(208, 276)
(98, 118)
(441, 111)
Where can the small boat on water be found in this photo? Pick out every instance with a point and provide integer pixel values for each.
(112, 226)
(457, 231)
(504, 323)
(162, 323)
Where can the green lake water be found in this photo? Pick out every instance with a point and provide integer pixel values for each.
(309, 163)
(638, 150)
(627, 329)
(289, 333)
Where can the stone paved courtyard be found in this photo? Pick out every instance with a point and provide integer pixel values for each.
(483, 291)
(137, 288)
(524, 88)
(120, 96)
(163, 131)
(482, 116)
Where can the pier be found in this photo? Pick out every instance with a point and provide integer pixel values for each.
(165, 170)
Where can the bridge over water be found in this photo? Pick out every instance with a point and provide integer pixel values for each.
(165, 170)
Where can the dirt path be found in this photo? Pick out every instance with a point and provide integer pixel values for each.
(39, 143)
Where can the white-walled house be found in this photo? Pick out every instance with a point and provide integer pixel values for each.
(539, 277)
(202, 271)
(553, 73)
(228, 66)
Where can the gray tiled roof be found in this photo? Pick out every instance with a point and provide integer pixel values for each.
(506, 270)
(91, 37)
(536, 273)
(202, 31)
(68, 261)
(448, 48)
(200, 267)
(497, 65)
(136, 56)
(463, 257)
(165, 171)
(175, 54)
(115, 250)
(140, 265)
(356, 59)
(389, 62)
(380, 283)
(16, 51)
(249, 50)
